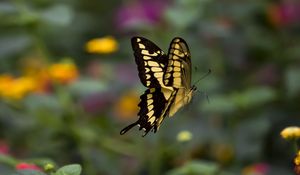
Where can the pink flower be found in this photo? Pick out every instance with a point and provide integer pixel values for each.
(258, 169)
(139, 13)
(284, 14)
(27, 166)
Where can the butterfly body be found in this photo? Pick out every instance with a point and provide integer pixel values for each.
(168, 79)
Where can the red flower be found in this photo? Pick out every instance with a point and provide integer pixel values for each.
(27, 166)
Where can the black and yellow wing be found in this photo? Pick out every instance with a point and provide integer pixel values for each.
(153, 109)
(178, 71)
(151, 61)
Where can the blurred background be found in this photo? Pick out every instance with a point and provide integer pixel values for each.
(69, 84)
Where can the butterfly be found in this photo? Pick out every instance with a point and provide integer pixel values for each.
(168, 79)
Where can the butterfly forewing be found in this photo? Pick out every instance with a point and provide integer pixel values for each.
(150, 60)
(178, 71)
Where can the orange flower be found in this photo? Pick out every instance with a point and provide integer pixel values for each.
(63, 72)
(16, 88)
(223, 153)
(273, 15)
(5, 82)
(127, 106)
(103, 45)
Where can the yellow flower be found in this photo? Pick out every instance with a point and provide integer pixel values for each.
(63, 72)
(17, 88)
(184, 136)
(292, 132)
(103, 45)
(297, 163)
(297, 159)
(127, 106)
(49, 167)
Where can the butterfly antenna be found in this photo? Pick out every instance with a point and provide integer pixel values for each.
(205, 75)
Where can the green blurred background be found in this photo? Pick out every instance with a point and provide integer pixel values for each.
(64, 103)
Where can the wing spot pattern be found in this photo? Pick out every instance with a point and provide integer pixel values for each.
(152, 120)
(152, 63)
(177, 81)
(156, 69)
(147, 58)
(150, 101)
(150, 113)
(142, 46)
(148, 83)
(158, 74)
(177, 63)
(148, 76)
(179, 53)
(149, 96)
(150, 107)
(176, 74)
(175, 57)
(177, 69)
(146, 52)
(169, 69)
(168, 75)
(147, 70)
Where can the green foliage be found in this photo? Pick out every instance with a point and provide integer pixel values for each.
(74, 169)
(196, 167)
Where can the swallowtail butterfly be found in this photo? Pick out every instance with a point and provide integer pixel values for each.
(168, 79)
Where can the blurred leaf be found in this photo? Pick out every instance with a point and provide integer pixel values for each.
(292, 83)
(6, 159)
(12, 44)
(58, 15)
(6, 7)
(74, 169)
(181, 18)
(35, 102)
(253, 97)
(196, 168)
(249, 137)
(84, 87)
(219, 104)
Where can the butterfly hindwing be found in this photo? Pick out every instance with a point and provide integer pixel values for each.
(152, 106)
(150, 60)
(178, 71)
